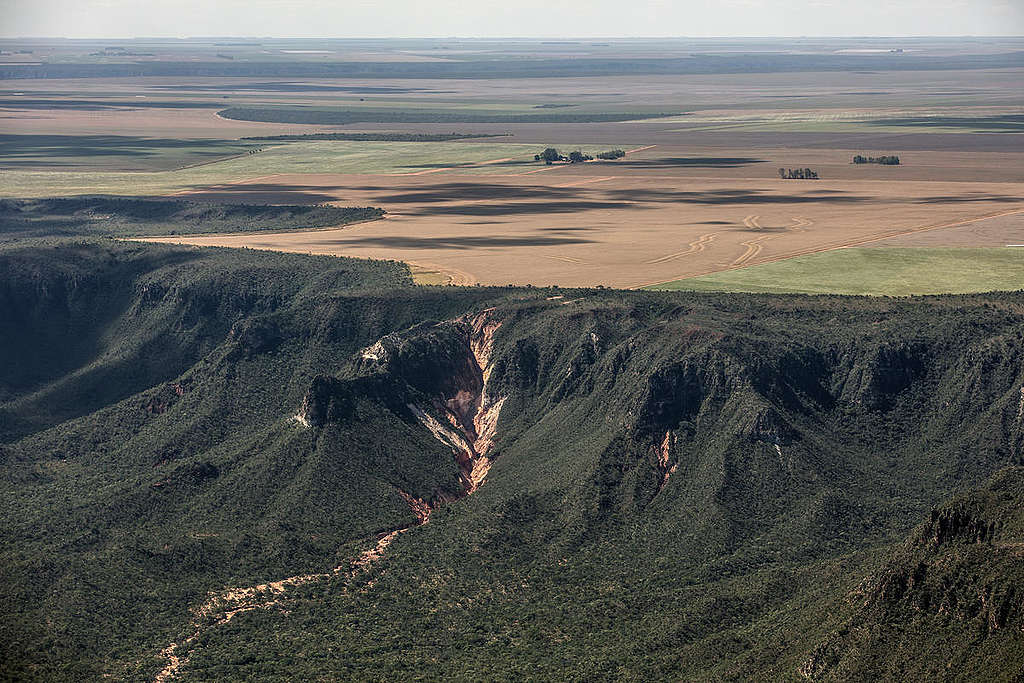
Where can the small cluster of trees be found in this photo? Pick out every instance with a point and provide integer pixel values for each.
(797, 174)
(552, 155)
(892, 160)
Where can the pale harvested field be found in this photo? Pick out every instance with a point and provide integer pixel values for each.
(702, 195)
(996, 232)
(594, 225)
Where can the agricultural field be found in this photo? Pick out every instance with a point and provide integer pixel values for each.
(293, 158)
(698, 192)
(893, 271)
(501, 359)
(600, 225)
(119, 152)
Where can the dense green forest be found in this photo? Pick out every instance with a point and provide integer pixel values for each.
(684, 486)
(128, 217)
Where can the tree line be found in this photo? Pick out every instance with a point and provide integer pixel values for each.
(798, 174)
(891, 160)
(552, 155)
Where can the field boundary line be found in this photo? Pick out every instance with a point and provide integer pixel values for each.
(586, 182)
(955, 224)
(845, 245)
(474, 164)
(536, 170)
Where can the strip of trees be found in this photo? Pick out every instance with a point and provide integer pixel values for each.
(891, 160)
(552, 155)
(797, 174)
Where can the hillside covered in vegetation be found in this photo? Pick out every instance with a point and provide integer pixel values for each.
(496, 483)
(131, 216)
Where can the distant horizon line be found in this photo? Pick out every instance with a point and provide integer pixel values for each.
(571, 39)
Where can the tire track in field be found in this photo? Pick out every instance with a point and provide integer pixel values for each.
(472, 164)
(844, 245)
(577, 183)
(801, 224)
(695, 247)
(754, 245)
(564, 259)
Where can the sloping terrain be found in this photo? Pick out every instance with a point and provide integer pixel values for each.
(609, 484)
(949, 604)
(121, 216)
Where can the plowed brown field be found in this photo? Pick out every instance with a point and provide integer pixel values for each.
(603, 224)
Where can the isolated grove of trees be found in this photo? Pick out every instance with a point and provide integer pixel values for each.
(891, 160)
(797, 174)
(552, 155)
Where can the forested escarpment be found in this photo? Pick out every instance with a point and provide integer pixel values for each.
(947, 604)
(618, 484)
(127, 217)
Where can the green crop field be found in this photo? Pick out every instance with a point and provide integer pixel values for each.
(838, 120)
(879, 271)
(113, 152)
(295, 157)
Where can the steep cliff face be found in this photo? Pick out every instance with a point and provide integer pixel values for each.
(700, 472)
(439, 374)
(951, 599)
(871, 377)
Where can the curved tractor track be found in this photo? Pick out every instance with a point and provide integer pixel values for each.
(695, 247)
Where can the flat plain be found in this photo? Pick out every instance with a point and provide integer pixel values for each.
(697, 193)
(894, 271)
(618, 230)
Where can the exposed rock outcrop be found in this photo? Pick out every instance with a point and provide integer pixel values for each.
(470, 411)
(322, 400)
(663, 453)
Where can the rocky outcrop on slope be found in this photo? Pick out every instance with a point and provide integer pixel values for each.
(955, 589)
(436, 373)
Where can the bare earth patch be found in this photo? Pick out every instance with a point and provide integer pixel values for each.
(630, 229)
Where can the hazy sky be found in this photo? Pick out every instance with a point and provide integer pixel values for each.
(504, 18)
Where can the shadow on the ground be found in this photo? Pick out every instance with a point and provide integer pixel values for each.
(454, 242)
